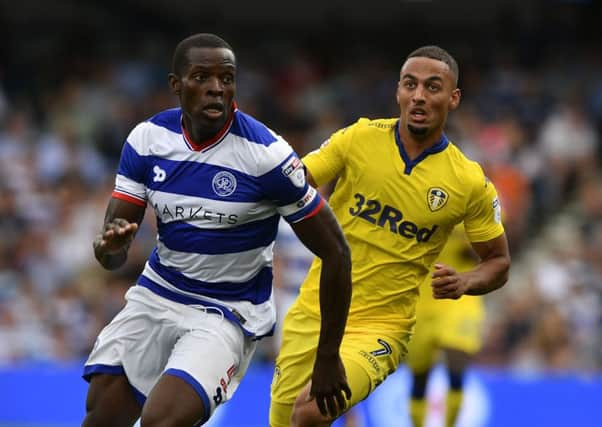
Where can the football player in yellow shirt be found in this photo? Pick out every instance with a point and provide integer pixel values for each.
(402, 187)
(445, 327)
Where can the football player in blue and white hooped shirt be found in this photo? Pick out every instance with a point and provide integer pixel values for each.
(218, 181)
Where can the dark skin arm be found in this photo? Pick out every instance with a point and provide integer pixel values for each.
(121, 223)
(490, 274)
(323, 236)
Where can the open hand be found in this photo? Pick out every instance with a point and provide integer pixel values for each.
(116, 235)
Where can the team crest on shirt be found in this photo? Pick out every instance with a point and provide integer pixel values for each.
(436, 198)
(223, 183)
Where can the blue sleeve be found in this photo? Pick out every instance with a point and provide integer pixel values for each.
(131, 164)
(286, 185)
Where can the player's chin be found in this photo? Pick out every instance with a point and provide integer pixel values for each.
(417, 129)
(214, 122)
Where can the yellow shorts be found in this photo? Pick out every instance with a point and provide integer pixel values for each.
(369, 356)
(445, 324)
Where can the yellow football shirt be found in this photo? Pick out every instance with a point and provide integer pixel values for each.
(396, 214)
(445, 323)
(458, 254)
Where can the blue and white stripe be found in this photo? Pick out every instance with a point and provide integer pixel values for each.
(217, 212)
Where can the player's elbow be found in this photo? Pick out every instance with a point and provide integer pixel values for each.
(340, 254)
(347, 260)
(504, 272)
(344, 252)
(493, 274)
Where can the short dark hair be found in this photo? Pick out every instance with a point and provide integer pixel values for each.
(179, 61)
(440, 54)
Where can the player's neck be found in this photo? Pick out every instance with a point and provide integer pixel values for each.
(415, 146)
(199, 134)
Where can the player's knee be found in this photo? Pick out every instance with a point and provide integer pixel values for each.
(156, 419)
(110, 402)
(153, 416)
(306, 414)
(280, 414)
(103, 418)
(298, 413)
(172, 403)
(95, 418)
(300, 417)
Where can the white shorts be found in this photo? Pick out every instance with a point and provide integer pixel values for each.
(151, 336)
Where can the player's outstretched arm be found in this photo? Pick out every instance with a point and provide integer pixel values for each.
(323, 236)
(490, 274)
(122, 220)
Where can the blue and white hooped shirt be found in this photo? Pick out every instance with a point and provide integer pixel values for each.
(217, 206)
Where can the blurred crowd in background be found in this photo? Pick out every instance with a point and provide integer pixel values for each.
(536, 127)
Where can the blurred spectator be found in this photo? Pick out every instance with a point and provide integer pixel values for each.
(568, 142)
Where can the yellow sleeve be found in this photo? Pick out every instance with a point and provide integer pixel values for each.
(483, 219)
(327, 162)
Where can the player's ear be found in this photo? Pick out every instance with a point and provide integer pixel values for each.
(174, 83)
(397, 92)
(455, 99)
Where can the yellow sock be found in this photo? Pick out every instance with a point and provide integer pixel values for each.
(418, 412)
(453, 404)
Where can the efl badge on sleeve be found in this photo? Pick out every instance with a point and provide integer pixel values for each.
(497, 211)
(293, 169)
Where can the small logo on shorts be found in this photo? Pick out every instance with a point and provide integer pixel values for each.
(384, 350)
(276, 376)
(222, 390)
(218, 397)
